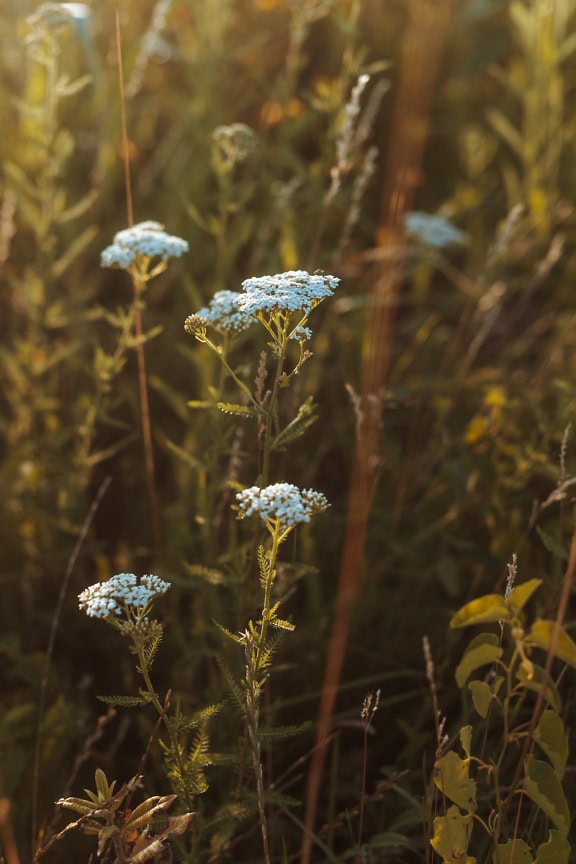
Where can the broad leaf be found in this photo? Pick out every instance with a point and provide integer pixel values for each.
(451, 776)
(551, 737)
(482, 650)
(513, 852)
(535, 683)
(481, 697)
(520, 595)
(452, 836)
(544, 788)
(466, 739)
(483, 610)
(541, 635)
(555, 851)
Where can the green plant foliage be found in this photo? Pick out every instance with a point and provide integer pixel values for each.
(139, 399)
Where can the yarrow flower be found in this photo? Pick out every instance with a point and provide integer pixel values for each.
(224, 313)
(293, 291)
(145, 239)
(120, 591)
(434, 230)
(282, 501)
(301, 334)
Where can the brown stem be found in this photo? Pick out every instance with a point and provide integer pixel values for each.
(421, 55)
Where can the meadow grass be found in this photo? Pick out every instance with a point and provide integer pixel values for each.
(287, 393)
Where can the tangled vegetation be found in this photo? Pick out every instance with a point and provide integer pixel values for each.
(287, 401)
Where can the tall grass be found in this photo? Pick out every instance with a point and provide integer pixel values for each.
(432, 406)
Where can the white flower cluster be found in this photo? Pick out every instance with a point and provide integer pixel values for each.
(434, 230)
(293, 291)
(146, 238)
(224, 313)
(301, 334)
(108, 598)
(281, 501)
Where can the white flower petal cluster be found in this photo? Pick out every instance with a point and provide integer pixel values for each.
(301, 334)
(224, 313)
(146, 238)
(293, 291)
(282, 501)
(434, 230)
(124, 589)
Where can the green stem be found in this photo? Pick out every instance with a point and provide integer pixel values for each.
(271, 413)
(271, 563)
(219, 353)
(150, 691)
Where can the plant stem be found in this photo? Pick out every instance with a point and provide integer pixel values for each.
(270, 574)
(252, 696)
(150, 691)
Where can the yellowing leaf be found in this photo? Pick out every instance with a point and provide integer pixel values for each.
(482, 650)
(483, 610)
(520, 595)
(513, 852)
(541, 635)
(451, 836)
(555, 851)
(535, 684)
(451, 776)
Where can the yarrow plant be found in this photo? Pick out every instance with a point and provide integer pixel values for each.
(143, 250)
(224, 313)
(281, 303)
(282, 507)
(140, 244)
(122, 593)
(125, 602)
(280, 504)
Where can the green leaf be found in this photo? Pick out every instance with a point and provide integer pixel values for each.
(482, 650)
(552, 544)
(535, 685)
(305, 417)
(481, 697)
(506, 130)
(555, 851)
(229, 408)
(551, 737)
(466, 739)
(483, 610)
(541, 635)
(452, 836)
(520, 595)
(513, 852)
(451, 776)
(543, 787)
(281, 624)
(125, 701)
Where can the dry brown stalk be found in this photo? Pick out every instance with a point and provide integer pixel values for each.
(421, 56)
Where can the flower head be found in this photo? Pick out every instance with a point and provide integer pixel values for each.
(293, 291)
(145, 239)
(224, 313)
(301, 334)
(434, 230)
(123, 590)
(281, 501)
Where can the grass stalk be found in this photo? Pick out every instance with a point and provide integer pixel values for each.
(422, 50)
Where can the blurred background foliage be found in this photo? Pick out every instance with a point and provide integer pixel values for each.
(240, 142)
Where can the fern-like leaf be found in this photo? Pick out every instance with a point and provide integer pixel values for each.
(235, 691)
(125, 701)
(306, 416)
(239, 410)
